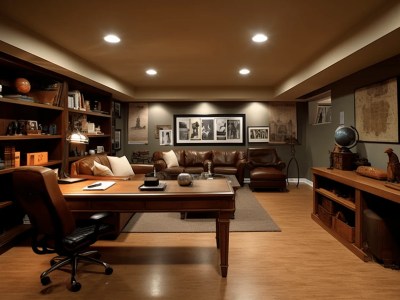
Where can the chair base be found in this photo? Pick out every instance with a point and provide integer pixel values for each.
(60, 261)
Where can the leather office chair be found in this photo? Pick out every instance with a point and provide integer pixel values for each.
(265, 169)
(54, 229)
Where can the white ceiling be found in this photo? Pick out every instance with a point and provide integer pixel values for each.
(199, 45)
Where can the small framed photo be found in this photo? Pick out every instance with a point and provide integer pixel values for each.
(31, 125)
(117, 139)
(258, 134)
(158, 128)
(100, 149)
(165, 137)
(117, 109)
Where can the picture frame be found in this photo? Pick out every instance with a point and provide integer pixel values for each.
(258, 134)
(160, 127)
(211, 129)
(117, 139)
(166, 137)
(117, 109)
(324, 114)
(376, 112)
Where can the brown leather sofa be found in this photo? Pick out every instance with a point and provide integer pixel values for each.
(83, 168)
(266, 169)
(196, 161)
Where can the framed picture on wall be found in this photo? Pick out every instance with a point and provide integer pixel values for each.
(160, 127)
(376, 112)
(117, 139)
(166, 137)
(258, 134)
(117, 109)
(209, 129)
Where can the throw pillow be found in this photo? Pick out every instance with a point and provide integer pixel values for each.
(120, 166)
(170, 159)
(101, 170)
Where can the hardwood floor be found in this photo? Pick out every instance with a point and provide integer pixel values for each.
(301, 262)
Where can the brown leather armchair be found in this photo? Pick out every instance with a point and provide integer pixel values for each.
(53, 226)
(265, 169)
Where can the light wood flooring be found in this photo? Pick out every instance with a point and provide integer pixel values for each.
(301, 262)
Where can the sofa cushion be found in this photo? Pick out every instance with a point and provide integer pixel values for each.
(266, 173)
(170, 159)
(194, 158)
(220, 158)
(120, 166)
(101, 170)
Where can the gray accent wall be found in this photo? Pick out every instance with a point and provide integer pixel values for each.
(315, 140)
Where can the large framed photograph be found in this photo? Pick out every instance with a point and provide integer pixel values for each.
(165, 137)
(209, 129)
(258, 134)
(376, 112)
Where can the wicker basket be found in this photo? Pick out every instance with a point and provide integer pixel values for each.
(324, 216)
(344, 230)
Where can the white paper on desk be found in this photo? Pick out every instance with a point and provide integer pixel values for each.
(104, 185)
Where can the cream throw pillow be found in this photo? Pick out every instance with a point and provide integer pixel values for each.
(101, 170)
(170, 159)
(120, 166)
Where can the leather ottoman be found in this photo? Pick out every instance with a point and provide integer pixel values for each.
(267, 177)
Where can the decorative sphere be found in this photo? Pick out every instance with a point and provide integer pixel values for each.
(346, 137)
(22, 85)
(185, 179)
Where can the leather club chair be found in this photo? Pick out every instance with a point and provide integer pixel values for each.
(265, 169)
(53, 226)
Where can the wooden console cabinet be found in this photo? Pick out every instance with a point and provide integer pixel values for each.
(346, 191)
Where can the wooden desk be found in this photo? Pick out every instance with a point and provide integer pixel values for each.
(125, 196)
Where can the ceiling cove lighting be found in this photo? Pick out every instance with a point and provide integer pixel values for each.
(151, 72)
(244, 71)
(112, 38)
(259, 38)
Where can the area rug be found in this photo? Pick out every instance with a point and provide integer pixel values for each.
(250, 216)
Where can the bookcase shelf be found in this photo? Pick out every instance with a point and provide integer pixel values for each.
(54, 114)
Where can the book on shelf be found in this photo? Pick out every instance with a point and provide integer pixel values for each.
(9, 156)
(76, 100)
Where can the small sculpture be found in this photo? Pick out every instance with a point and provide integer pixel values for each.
(393, 167)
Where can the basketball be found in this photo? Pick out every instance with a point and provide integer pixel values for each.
(22, 85)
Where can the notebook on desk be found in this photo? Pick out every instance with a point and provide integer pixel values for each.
(99, 186)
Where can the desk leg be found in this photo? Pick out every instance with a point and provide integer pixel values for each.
(223, 240)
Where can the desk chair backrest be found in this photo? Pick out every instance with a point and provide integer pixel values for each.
(37, 192)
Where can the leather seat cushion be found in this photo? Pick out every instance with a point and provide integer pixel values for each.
(194, 170)
(266, 173)
(225, 170)
(196, 158)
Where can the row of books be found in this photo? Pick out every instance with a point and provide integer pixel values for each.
(11, 157)
(76, 100)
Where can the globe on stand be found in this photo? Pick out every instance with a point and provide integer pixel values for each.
(346, 137)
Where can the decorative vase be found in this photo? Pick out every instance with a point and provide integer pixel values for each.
(185, 179)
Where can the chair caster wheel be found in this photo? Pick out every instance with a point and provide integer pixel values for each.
(45, 280)
(75, 286)
(108, 271)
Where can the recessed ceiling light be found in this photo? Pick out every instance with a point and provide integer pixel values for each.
(244, 71)
(112, 38)
(259, 38)
(151, 72)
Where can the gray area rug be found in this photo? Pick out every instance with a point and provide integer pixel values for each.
(249, 217)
